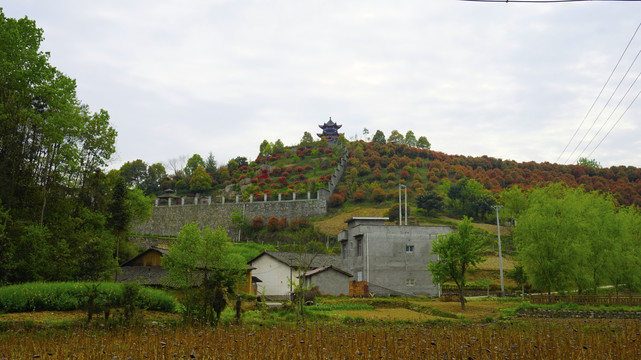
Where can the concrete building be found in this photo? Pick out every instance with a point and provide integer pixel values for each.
(392, 259)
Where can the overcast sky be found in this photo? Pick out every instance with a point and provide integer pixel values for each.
(507, 80)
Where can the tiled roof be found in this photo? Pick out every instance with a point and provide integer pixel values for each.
(305, 259)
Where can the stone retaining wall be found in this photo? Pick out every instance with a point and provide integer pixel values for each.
(168, 220)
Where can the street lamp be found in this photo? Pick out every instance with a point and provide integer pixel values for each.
(498, 231)
(400, 216)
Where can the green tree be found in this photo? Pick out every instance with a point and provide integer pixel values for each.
(468, 197)
(120, 215)
(457, 252)
(192, 163)
(306, 141)
(422, 143)
(514, 202)
(395, 137)
(265, 149)
(200, 181)
(431, 202)
(589, 162)
(379, 137)
(156, 174)
(134, 172)
(565, 236)
(202, 265)
(210, 164)
(278, 147)
(410, 139)
(519, 276)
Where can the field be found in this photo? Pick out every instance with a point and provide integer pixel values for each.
(573, 339)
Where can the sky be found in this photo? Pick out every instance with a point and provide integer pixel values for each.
(507, 80)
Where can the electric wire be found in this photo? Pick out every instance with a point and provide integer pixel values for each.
(610, 116)
(604, 106)
(600, 92)
(540, 1)
(615, 124)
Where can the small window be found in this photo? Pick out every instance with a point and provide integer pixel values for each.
(409, 249)
(409, 282)
(344, 249)
(359, 276)
(359, 247)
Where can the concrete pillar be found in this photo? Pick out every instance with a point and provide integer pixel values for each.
(265, 197)
(169, 202)
(237, 198)
(251, 198)
(294, 195)
(309, 195)
(279, 196)
(182, 201)
(196, 200)
(223, 200)
(156, 202)
(208, 200)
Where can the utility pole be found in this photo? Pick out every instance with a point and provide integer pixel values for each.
(400, 204)
(498, 231)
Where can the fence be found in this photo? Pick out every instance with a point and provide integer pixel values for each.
(594, 300)
(208, 200)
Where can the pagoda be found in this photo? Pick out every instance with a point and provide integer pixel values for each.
(330, 131)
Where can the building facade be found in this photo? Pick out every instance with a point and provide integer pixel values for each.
(392, 259)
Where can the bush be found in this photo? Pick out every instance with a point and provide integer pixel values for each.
(359, 196)
(336, 200)
(258, 223)
(298, 224)
(63, 296)
(282, 224)
(272, 224)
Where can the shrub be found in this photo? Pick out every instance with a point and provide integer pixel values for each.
(405, 174)
(282, 224)
(258, 223)
(336, 200)
(298, 224)
(308, 167)
(272, 224)
(298, 169)
(378, 194)
(358, 196)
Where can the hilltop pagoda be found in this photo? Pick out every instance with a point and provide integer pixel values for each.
(330, 131)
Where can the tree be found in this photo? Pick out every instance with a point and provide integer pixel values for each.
(431, 202)
(265, 148)
(457, 252)
(410, 139)
(366, 134)
(565, 236)
(201, 264)
(306, 141)
(120, 216)
(468, 197)
(395, 137)
(134, 172)
(392, 213)
(588, 162)
(519, 276)
(422, 143)
(278, 147)
(379, 137)
(193, 163)
(156, 174)
(210, 164)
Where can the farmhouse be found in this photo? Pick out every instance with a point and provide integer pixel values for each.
(390, 259)
(145, 269)
(276, 270)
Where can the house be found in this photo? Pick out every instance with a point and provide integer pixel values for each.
(389, 259)
(276, 269)
(329, 280)
(145, 268)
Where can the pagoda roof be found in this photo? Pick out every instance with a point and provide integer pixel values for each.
(330, 124)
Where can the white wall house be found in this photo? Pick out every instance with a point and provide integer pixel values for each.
(275, 269)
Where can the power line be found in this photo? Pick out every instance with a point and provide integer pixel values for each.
(604, 106)
(608, 119)
(538, 1)
(615, 124)
(598, 96)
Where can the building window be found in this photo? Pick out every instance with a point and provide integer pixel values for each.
(359, 247)
(359, 276)
(409, 249)
(344, 249)
(409, 282)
